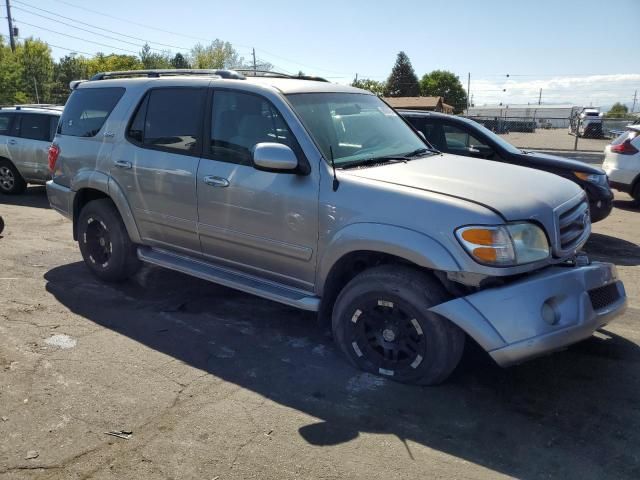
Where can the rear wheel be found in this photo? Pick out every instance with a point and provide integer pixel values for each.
(382, 324)
(11, 182)
(104, 242)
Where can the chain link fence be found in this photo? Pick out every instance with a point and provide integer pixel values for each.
(575, 132)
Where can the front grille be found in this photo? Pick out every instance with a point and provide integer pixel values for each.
(602, 297)
(574, 224)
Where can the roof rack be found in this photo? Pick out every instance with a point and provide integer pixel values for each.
(249, 72)
(230, 74)
(42, 106)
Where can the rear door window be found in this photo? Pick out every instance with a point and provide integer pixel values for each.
(35, 127)
(170, 119)
(87, 110)
(5, 124)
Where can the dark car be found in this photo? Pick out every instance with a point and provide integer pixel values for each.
(462, 136)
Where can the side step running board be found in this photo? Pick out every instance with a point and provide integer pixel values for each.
(230, 278)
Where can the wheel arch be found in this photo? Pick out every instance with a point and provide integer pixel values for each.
(95, 186)
(359, 247)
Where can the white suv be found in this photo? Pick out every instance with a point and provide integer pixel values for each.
(622, 162)
(26, 132)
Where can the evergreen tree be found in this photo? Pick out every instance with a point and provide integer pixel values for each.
(403, 81)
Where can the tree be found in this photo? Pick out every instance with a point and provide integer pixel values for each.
(151, 60)
(372, 85)
(37, 69)
(69, 68)
(618, 110)
(112, 62)
(10, 76)
(403, 81)
(178, 61)
(218, 54)
(441, 83)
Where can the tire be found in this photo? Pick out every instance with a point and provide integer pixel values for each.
(382, 324)
(11, 182)
(104, 242)
(1, 224)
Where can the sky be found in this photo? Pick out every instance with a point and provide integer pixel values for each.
(579, 52)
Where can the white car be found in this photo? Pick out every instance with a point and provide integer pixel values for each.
(622, 162)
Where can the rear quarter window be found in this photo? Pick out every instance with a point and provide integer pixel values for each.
(87, 110)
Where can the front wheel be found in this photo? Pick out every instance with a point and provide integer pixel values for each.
(104, 242)
(381, 322)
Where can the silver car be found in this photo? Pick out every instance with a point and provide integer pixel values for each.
(321, 197)
(26, 132)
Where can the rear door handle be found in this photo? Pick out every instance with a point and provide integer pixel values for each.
(123, 164)
(12, 142)
(216, 181)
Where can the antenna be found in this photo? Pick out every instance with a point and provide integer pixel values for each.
(336, 183)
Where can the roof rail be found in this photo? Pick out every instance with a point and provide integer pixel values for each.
(249, 72)
(230, 74)
(42, 106)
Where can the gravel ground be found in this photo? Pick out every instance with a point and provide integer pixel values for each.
(216, 384)
(554, 139)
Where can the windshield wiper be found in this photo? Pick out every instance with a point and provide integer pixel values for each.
(374, 161)
(420, 152)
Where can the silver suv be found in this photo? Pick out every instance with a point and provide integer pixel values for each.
(320, 196)
(26, 131)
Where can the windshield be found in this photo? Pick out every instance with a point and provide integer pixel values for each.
(354, 126)
(497, 139)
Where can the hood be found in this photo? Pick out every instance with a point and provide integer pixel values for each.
(545, 161)
(517, 193)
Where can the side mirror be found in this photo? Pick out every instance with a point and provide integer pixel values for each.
(274, 157)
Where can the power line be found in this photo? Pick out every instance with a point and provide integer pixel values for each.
(84, 29)
(63, 48)
(92, 26)
(190, 36)
(78, 38)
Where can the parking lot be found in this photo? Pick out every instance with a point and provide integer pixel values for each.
(203, 382)
(555, 139)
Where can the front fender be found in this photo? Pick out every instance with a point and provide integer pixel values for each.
(102, 182)
(405, 243)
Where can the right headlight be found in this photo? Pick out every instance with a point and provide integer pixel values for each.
(504, 245)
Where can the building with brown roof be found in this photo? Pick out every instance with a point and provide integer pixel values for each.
(432, 104)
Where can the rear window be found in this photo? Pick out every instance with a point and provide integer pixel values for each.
(628, 135)
(87, 110)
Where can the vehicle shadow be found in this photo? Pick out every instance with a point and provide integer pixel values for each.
(35, 196)
(627, 205)
(611, 249)
(571, 415)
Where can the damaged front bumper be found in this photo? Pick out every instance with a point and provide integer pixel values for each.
(539, 313)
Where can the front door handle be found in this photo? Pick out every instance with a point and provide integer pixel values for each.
(123, 164)
(216, 181)
(12, 142)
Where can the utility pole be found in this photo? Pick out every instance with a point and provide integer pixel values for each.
(253, 52)
(468, 91)
(35, 85)
(635, 99)
(12, 40)
(540, 98)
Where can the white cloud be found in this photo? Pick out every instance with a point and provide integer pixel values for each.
(577, 90)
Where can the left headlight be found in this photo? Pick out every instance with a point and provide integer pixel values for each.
(504, 245)
(597, 178)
